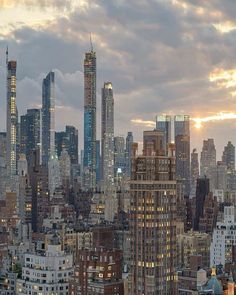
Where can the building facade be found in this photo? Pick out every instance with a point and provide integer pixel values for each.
(48, 118)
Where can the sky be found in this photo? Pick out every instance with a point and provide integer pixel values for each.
(162, 56)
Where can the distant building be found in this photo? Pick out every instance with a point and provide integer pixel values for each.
(12, 119)
(163, 123)
(224, 237)
(208, 161)
(68, 140)
(30, 136)
(119, 156)
(90, 119)
(128, 152)
(228, 156)
(182, 145)
(48, 118)
(201, 193)
(194, 170)
(107, 136)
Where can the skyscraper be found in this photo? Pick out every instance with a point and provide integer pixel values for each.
(128, 151)
(182, 144)
(30, 137)
(107, 135)
(90, 118)
(208, 161)
(119, 155)
(68, 140)
(194, 169)
(12, 119)
(228, 156)
(48, 118)
(163, 123)
(152, 222)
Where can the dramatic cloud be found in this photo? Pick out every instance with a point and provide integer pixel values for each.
(162, 56)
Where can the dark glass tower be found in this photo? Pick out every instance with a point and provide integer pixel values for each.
(48, 118)
(90, 118)
(163, 123)
(30, 132)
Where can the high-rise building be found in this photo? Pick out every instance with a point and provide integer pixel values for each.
(201, 193)
(128, 152)
(208, 161)
(107, 135)
(152, 223)
(3, 168)
(68, 140)
(90, 118)
(153, 143)
(48, 118)
(12, 119)
(182, 145)
(163, 123)
(228, 156)
(98, 161)
(194, 170)
(119, 155)
(30, 137)
(224, 237)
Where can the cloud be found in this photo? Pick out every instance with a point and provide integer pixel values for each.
(161, 56)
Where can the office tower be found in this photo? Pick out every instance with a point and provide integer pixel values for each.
(228, 156)
(107, 135)
(194, 170)
(152, 224)
(128, 152)
(48, 118)
(51, 267)
(201, 193)
(98, 161)
(65, 170)
(221, 176)
(90, 118)
(12, 119)
(163, 123)
(153, 143)
(68, 140)
(182, 145)
(208, 161)
(119, 155)
(224, 237)
(30, 137)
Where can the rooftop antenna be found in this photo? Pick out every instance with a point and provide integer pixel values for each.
(91, 43)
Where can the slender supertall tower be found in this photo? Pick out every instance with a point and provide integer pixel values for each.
(12, 119)
(48, 118)
(107, 136)
(90, 119)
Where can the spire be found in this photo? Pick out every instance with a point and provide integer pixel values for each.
(91, 43)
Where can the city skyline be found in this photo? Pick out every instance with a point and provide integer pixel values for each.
(169, 86)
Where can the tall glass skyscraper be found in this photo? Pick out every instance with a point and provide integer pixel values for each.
(182, 144)
(107, 135)
(30, 137)
(90, 118)
(163, 123)
(48, 118)
(12, 118)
